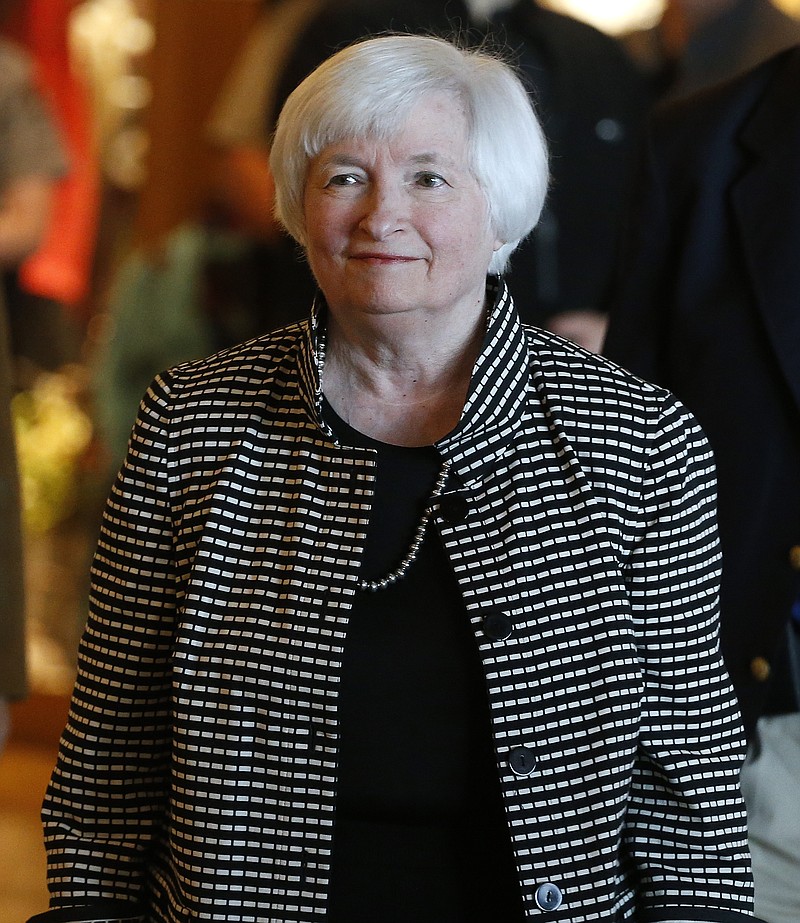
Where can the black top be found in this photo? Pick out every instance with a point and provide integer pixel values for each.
(420, 833)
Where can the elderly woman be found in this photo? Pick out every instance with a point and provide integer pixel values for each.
(406, 613)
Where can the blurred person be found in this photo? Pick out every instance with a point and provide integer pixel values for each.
(12, 609)
(46, 295)
(701, 42)
(593, 101)
(31, 161)
(708, 307)
(406, 611)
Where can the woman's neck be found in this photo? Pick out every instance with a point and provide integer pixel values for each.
(400, 387)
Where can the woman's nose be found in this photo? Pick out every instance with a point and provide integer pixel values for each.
(383, 212)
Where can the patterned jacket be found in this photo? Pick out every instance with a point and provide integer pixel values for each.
(197, 773)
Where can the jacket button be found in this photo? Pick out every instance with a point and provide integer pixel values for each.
(794, 557)
(497, 626)
(522, 761)
(609, 130)
(760, 669)
(453, 508)
(549, 896)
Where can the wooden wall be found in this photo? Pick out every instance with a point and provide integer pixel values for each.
(196, 42)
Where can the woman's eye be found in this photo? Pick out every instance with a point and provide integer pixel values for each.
(430, 180)
(343, 179)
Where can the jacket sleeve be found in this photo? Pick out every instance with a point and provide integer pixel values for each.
(107, 796)
(685, 832)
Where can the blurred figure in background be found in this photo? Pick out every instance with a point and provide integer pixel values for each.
(708, 307)
(701, 42)
(31, 161)
(592, 101)
(47, 294)
(12, 609)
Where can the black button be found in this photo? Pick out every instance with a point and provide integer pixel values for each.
(522, 761)
(497, 626)
(453, 508)
(549, 896)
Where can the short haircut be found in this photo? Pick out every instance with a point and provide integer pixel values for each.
(367, 90)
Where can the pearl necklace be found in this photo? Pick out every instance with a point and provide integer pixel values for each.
(419, 533)
(416, 543)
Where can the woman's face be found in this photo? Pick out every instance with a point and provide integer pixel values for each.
(401, 226)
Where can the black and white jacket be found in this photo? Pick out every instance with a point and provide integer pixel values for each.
(197, 773)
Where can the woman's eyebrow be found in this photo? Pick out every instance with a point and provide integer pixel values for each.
(431, 157)
(341, 160)
(350, 160)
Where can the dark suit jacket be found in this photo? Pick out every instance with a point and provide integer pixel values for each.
(708, 305)
(592, 102)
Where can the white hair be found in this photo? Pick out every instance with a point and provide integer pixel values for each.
(368, 89)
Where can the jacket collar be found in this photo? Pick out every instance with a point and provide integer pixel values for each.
(311, 360)
(496, 397)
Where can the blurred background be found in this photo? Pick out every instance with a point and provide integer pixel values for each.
(144, 263)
